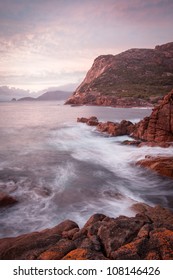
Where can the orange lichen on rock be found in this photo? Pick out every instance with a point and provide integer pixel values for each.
(161, 240)
(77, 254)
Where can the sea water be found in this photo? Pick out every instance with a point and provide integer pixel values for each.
(59, 169)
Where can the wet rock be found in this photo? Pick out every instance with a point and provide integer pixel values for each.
(159, 164)
(133, 143)
(154, 130)
(112, 128)
(116, 129)
(154, 144)
(92, 121)
(6, 200)
(82, 120)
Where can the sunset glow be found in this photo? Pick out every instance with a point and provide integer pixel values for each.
(53, 42)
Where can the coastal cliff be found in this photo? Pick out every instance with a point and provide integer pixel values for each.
(136, 77)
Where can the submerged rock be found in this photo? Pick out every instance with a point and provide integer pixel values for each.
(6, 200)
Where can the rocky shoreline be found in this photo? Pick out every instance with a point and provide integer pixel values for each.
(96, 99)
(147, 236)
(154, 131)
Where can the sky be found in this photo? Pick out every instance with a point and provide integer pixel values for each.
(46, 43)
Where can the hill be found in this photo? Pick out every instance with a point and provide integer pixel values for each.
(136, 77)
(48, 96)
(54, 95)
(26, 99)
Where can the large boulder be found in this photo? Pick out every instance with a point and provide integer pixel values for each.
(160, 164)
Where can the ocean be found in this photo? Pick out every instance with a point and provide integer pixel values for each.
(59, 169)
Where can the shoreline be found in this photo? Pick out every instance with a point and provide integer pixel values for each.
(146, 236)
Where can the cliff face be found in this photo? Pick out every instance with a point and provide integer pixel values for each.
(158, 127)
(136, 77)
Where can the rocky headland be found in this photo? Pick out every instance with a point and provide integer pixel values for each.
(134, 78)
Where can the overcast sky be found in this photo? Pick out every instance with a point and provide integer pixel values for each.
(47, 43)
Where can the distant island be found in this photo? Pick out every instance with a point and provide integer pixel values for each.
(8, 93)
(48, 96)
(134, 78)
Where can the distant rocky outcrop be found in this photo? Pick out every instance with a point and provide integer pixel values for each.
(136, 77)
(147, 236)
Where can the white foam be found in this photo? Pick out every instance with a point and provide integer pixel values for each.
(105, 151)
(72, 173)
